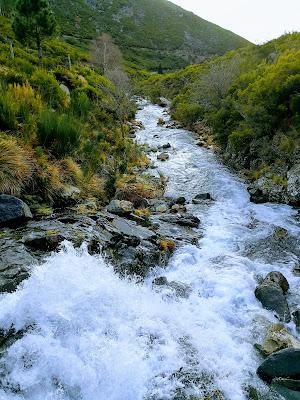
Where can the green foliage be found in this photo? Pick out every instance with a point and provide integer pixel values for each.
(250, 97)
(61, 134)
(8, 120)
(46, 84)
(80, 105)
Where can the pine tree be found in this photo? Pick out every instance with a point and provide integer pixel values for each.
(33, 22)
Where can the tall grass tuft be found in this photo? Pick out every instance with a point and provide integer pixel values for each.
(60, 134)
(16, 166)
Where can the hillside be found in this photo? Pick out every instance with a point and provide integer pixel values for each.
(248, 100)
(149, 33)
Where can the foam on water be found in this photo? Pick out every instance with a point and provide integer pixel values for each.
(89, 335)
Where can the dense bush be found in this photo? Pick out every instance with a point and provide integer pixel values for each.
(46, 84)
(61, 134)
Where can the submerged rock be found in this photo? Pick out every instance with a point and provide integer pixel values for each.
(13, 211)
(163, 157)
(282, 364)
(180, 289)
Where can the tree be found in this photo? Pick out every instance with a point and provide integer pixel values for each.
(105, 54)
(33, 22)
(213, 86)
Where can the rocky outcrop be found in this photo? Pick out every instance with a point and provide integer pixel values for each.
(271, 293)
(13, 211)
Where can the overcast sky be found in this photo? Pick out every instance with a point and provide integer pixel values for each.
(256, 20)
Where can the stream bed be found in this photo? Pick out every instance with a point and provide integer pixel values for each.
(93, 336)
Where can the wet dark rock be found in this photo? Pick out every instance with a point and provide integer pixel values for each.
(181, 201)
(273, 299)
(120, 207)
(166, 146)
(15, 261)
(278, 279)
(282, 364)
(200, 197)
(163, 157)
(45, 243)
(182, 220)
(13, 211)
(288, 388)
(296, 318)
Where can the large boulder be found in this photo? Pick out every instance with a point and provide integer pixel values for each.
(293, 189)
(278, 279)
(271, 293)
(13, 211)
(282, 364)
(120, 207)
(273, 299)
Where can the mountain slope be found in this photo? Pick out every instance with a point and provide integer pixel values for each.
(148, 32)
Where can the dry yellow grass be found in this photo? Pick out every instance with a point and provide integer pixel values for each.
(16, 166)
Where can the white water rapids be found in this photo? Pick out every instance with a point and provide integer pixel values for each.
(90, 335)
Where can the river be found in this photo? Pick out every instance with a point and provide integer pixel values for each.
(93, 336)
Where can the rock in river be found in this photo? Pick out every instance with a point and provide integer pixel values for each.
(283, 364)
(163, 157)
(13, 211)
(271, 293)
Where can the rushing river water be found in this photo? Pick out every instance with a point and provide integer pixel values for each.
(92, 336)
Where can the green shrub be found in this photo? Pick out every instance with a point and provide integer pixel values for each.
(188, 114)
(49, 88)
(80, 105)
(61, 134)
(8, 110)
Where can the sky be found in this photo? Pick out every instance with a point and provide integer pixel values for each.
(255, 20)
